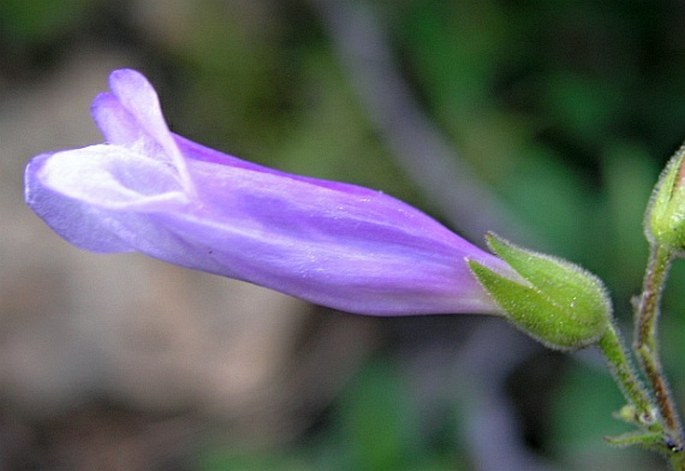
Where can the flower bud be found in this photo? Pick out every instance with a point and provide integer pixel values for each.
(339, 245)
(665, 216)
(554, 301)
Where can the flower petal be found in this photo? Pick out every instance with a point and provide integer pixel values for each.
(139, 103)
(361, 252)
(75, 191)
(118, 126)
(76, 221)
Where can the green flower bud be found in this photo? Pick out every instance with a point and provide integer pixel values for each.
(554, 301)
(665, 216)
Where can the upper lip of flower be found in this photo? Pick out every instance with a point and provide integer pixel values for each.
(133, 107)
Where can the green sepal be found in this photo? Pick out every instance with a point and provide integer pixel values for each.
(554, 301)
(665, 215)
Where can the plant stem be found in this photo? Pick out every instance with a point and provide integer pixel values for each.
(646, 345)
(618, 359)
(677, 461)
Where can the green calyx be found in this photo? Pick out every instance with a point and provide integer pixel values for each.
(665, 216)
(556, 302)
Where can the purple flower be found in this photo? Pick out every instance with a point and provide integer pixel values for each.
(339, 245)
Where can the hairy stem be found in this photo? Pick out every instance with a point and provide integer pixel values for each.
(646, 345)
(623, 371)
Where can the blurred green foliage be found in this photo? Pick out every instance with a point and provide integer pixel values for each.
(40, 21)
(375, 427)
(567, 110)
(580, 425)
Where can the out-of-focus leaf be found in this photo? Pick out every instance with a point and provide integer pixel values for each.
(40, 20)
(628, 176)
(584, 109)
(380, 421)
(581, 415)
